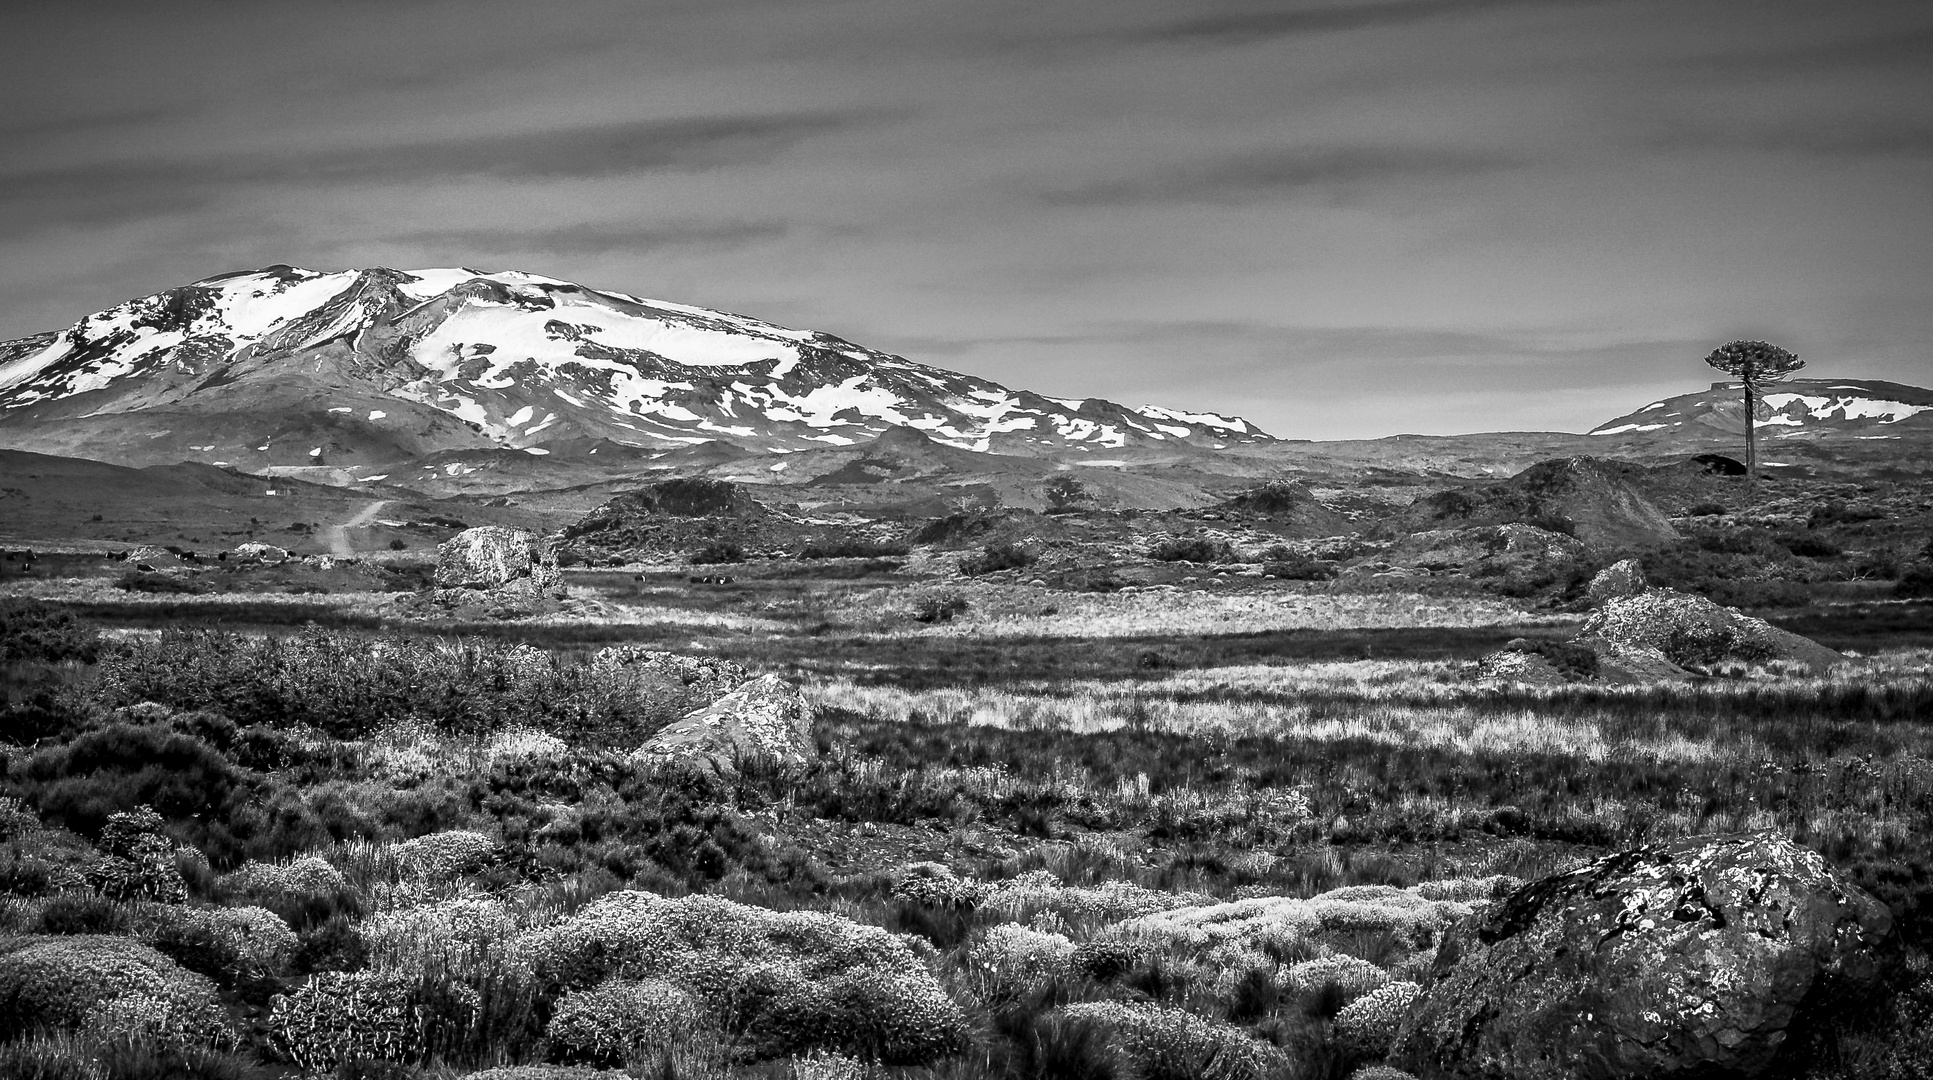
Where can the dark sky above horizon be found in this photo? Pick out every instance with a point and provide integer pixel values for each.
(1339, 218)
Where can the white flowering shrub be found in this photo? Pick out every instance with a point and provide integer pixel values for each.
(226, 943)
(1277, 922)
(936, 885)
(826, 1065)
(1368, 1024)
(338, 1016)
(444, 855)
(1155, 1041)
(412, 935)
(1352, 976)
(524, 744)
(793, 981)
(158, 1019)
(305, 874)
(1012, 959)
(546, 1072)
(1381, 1072)
(620, 1020)
(74, 981)
(1035, 892)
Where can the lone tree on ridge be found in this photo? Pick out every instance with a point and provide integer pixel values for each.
(1753, 363)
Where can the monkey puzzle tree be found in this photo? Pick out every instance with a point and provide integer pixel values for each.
(1753, 363)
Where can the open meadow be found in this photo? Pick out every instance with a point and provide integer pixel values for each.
(1219, 827)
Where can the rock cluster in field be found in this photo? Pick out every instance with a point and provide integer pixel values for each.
(495, 557)
(1702, 957)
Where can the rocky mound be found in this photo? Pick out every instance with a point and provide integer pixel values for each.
(973, 528)
(1701, 957)
(678, 516)
(1523, 554)
(1599, 502)
(1290, 507)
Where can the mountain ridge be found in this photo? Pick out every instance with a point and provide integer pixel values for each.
(520, 360)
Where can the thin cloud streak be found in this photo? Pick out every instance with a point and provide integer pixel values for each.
(1262, 174)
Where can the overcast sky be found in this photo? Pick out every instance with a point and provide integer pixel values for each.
(1336, 218)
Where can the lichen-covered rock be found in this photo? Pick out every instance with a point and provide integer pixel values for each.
(1625, 664)
(259, 552)
(1529, 668)
(495, 557)
(767, 718)
(1698, 957)
(1622, 578)
(1691, 630)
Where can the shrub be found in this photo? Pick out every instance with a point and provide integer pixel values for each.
(101, 982)
(31, 630)
(340, 1016)
(1368, 1024)
(1160, 1043)
(1706, 509)
(1915, 581)
(1014, 959)
(1300, 570)
(854, 547)
(121, 767)
(718, 552)
(444, 855)
(791, 981)
(228, 944)
(939, 607)
(145, 582)
(622, 1020)
(1351, 977)
(1194, 549)
(996, 556)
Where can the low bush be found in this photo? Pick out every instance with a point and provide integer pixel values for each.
(718, 553)
(621, 1021)
(90, 981)
(1194, 549)
(1368, 1024)
(1158, 1043)
(854, 547)
(340, 1016)
(1915, 581)
(789, 981)
(145, 582)
(995, 557)
(939, 607)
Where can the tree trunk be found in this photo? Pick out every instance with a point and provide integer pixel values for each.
(1751, 444)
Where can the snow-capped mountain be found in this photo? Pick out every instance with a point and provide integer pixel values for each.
(1797, 408)
(285, 366)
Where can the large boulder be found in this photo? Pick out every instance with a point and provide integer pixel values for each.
(1693, 631)
(766, 719)
(254, 551)
(1708, 957)
(1622, 578)
(495, 557)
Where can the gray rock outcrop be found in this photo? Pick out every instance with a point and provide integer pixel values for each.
(1693, 631)
(1699, 957)
(766, 719)
(1622, 578)
(495, 557)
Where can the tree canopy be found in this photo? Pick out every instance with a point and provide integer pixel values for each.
(1754, 361)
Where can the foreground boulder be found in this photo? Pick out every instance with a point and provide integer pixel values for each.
(1693, 631)
(495, 557)
(765, 719)
(1704, 957)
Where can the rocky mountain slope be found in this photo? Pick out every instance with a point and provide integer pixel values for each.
(284, 367)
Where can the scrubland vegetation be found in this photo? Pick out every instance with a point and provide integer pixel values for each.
(334, 852)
